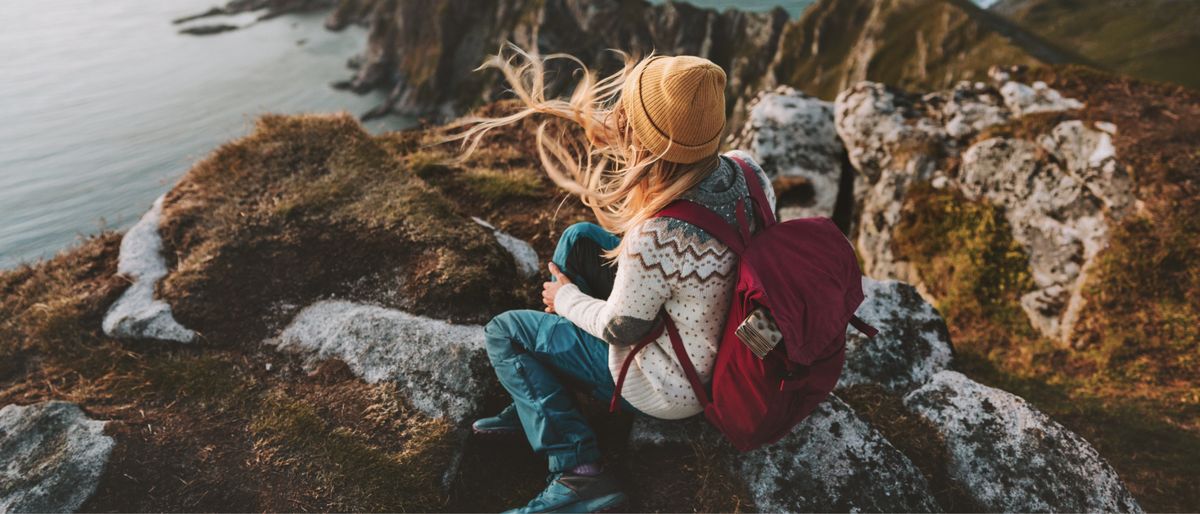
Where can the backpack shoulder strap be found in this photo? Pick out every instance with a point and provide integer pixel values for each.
(689, 369)
(707, 220)
(863, 327)
(762, 207)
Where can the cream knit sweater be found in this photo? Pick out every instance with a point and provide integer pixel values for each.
(667, 262)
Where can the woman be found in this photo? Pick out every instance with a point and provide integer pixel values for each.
(631, 144)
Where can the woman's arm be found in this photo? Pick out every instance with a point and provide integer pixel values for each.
(639, 292)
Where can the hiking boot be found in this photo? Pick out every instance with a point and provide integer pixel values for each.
(507, 423)
(577, 493)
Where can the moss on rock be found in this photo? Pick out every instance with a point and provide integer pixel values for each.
(965, 254)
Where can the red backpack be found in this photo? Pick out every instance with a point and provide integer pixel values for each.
(806, 274)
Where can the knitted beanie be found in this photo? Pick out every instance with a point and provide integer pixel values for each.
(676, 106)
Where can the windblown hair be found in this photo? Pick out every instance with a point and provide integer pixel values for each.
(595, 154)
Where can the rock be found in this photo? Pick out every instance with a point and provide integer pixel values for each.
(261, 9)
(888, 137)
(51, 457)
(428, 71)
(1010, 457)
(1022, 99)
(791, 134)
(912, 345)
(523, 254)
(969, 108)
(137, 314)
(443, 368)
(835, 462)
(831, 462)
(208, 30)
(1054, 215)
(1089, 155)
(1057, 204)
(880, 126)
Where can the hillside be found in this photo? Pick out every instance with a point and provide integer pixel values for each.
(423, 55)
(1151, 39)
(274, 334)
(917, 44)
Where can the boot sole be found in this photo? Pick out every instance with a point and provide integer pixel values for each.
(496, 434)
(608, 503)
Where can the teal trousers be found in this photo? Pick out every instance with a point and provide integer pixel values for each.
(538, 357)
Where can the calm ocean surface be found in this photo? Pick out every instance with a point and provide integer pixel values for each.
(103, 105)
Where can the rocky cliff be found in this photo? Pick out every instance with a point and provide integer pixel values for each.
(422, 52)
(296, 324)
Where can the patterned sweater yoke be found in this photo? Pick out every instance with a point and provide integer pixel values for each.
(671, 264)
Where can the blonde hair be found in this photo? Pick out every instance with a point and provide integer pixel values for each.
(595, 156)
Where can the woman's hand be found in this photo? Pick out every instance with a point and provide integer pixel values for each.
(550, 289)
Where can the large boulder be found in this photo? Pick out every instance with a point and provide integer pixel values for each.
(892, 142)
(912, 345)
(1058, 189)
(1011, 457)
(51, 457)
(1053, 215)
(792, 135)
(835, 462)
(831, 462)
(442, 368)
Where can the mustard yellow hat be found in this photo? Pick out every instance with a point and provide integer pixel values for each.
(676, 106)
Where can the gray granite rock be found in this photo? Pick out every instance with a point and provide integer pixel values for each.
(835, 462)
(1010, 457)
(1054, 215)
(1024, 99)
(791, 134)
(1057, 191)
(831, 462)
(51, 457)
(912, 345)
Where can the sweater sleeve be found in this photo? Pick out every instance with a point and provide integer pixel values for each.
(639, 292)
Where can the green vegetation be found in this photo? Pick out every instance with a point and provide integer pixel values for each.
(965, 253)
(310, 206)
(294, 438)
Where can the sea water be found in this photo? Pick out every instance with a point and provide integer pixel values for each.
(104, 105)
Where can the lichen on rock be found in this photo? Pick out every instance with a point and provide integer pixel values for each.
(835, 462)
(1013, 458)
(51, 457)
(792, 135)
(831, 462)
(912, 345)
